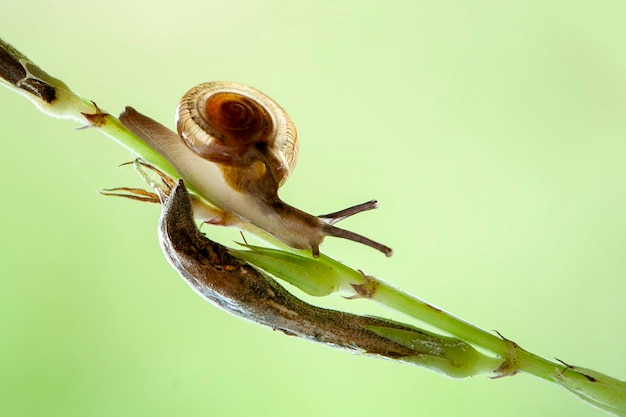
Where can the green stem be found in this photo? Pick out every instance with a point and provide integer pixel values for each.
(399, 300)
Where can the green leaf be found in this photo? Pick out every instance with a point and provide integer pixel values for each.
(310, 275)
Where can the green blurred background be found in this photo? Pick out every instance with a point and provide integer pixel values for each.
(493, 133)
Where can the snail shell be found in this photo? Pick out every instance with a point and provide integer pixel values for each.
(235, 147)
(239, 127)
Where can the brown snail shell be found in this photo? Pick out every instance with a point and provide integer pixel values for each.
(238, 126)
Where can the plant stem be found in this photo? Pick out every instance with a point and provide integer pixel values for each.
(401, 301)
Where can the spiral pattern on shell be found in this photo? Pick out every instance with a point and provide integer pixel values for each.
(236, 125)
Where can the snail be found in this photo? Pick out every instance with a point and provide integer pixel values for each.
(236, 146)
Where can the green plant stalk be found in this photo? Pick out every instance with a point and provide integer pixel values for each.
(363, 286)
(54, 98)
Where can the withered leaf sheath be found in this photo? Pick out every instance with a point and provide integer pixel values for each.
(235, 286)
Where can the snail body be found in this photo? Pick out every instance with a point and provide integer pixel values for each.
(235, 146)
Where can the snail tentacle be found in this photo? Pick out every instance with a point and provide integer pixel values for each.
(336, 217)
(355, 237)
